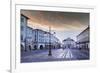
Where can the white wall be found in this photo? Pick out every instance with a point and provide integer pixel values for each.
(5, 37)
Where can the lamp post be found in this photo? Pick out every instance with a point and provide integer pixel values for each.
(49, 41)
(50, 53)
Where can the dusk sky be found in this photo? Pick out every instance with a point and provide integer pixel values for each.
(65, 24)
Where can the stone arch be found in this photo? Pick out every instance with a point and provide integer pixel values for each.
(35, 46)
(29, 47)
(41, 46)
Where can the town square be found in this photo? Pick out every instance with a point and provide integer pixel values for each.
(54, 36)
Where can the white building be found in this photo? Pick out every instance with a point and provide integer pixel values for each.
(23, 31)
(83, 39)
(69, 43)
(51, 39)
(44, 39)
(30, 38)
(39, 39)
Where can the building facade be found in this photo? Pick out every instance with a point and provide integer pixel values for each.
(39, 39)
(30, 38)
(83, 39)
(69, 43)
(45, 39)
(23, 26)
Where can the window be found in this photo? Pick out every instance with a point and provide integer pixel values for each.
(22, 19)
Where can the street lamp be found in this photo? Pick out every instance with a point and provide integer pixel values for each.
(50, 53)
